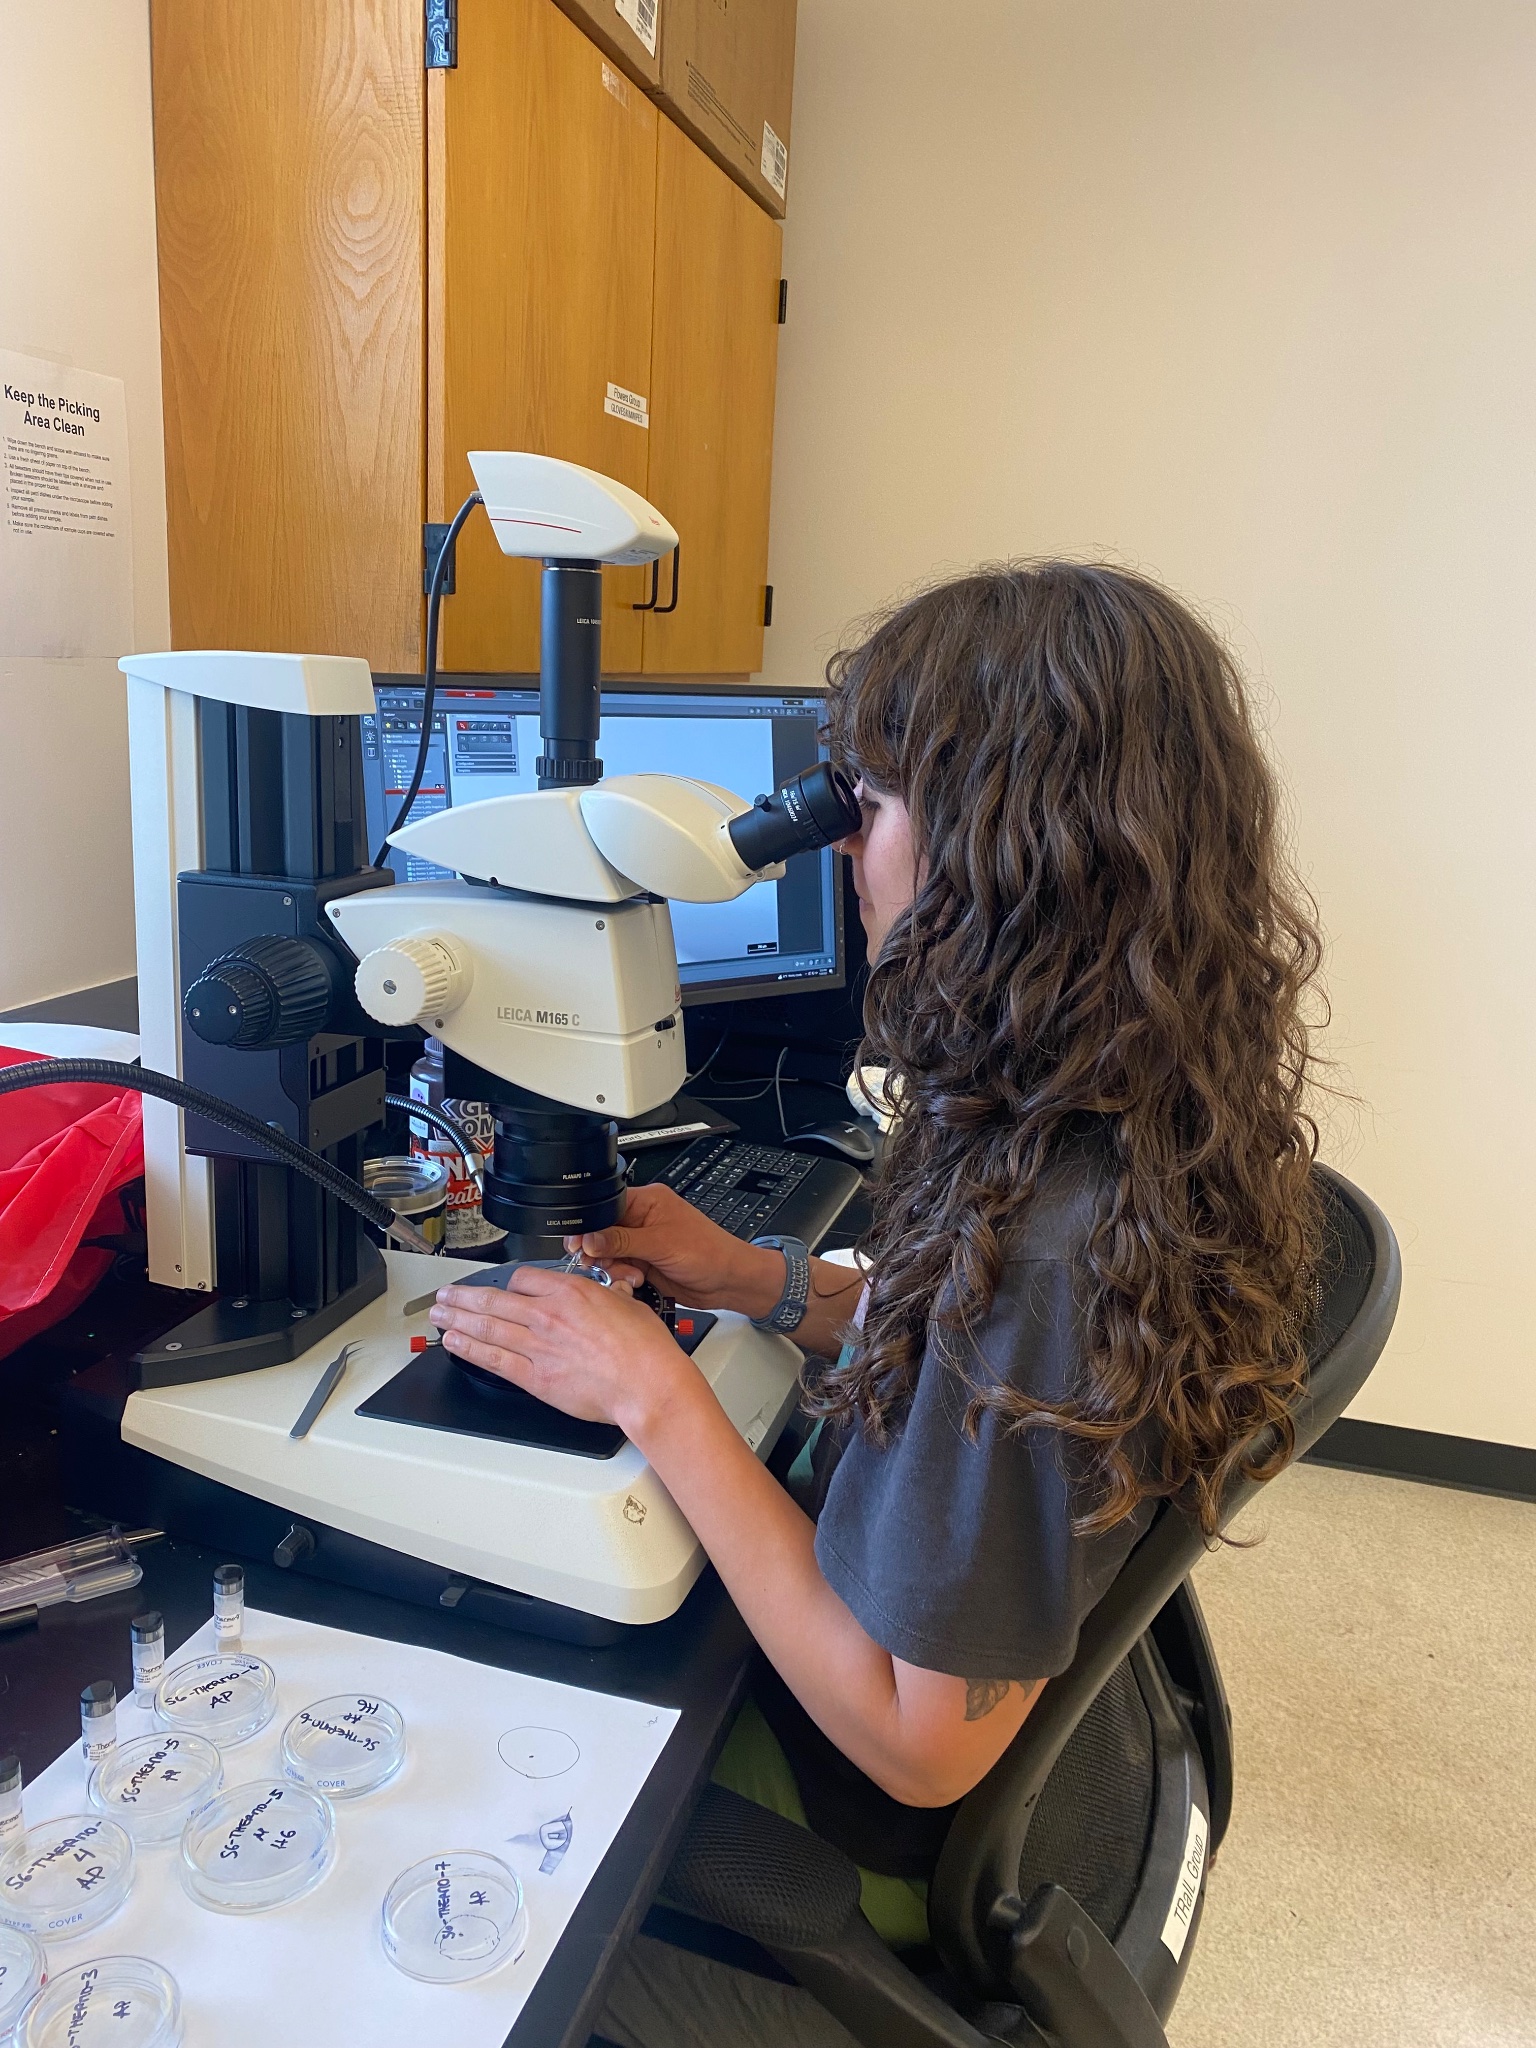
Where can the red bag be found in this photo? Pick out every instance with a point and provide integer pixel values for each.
(65, 1151)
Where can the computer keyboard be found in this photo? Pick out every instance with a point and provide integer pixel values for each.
(758, 1190)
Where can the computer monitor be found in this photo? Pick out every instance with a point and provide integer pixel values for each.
(779, 938)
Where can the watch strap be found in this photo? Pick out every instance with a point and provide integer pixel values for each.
(788, 1313)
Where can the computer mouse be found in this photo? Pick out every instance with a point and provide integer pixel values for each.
(852, 1142)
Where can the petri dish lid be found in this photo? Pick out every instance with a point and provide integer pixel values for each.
(453, 1917)
(21, 1973)
(346, 1745)
(114, 2002)
(64, 1877)
(150, 1785)
(226, 1697)
(257, 1845)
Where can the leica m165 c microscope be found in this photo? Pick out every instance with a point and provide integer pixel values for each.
(274, 959)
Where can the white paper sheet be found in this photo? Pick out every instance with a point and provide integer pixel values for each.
(314, 1972)
(66, 538)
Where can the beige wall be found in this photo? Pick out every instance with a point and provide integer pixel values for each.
(1242, 292)
(77, 285)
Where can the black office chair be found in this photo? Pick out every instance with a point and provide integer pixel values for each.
(1068, 1893)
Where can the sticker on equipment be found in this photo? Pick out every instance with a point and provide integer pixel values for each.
(641, 16)
(775, 160)
(1182, 1911)
(627, 405)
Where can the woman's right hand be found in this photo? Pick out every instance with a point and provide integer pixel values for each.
(667, 1241)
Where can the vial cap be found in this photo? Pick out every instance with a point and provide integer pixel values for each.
(146, 1627)
(10, 1773)
(99, 1698)
(229, 1577)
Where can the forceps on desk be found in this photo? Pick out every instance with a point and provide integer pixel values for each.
(325, 1386)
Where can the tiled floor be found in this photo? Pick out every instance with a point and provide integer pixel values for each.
(1378, 1886)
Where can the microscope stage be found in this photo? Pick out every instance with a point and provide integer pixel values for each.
(600, 1534)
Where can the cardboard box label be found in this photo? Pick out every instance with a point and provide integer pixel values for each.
(775, 160)
(627, 405)
(641, 16)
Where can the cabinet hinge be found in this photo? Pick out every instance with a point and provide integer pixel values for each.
(442, 39)
(783, 300)
(767, 604)
(432, 538)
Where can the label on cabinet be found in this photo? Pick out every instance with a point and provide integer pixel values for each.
(616, 83)
(627, 405)
(641, 16)
(775, 160)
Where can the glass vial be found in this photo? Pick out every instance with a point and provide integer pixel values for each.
(228, 1606)
(98, 1720)
(11, 1823)
(148, 1633)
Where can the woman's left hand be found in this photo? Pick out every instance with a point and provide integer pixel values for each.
(594, 1352)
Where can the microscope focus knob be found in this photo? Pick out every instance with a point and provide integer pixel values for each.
(411, 981)
(268, 992)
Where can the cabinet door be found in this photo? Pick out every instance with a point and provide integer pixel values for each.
(288, 189)
(714, 353)
(541, 172)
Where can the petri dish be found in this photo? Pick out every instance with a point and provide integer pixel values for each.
(21, 1975)
(152, 1785)
(65, 1877)
(257, 1845)
(346, 1745)
(226, 1697)
(114, 2002)
(453, 1917)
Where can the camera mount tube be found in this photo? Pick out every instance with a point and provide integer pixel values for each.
(811, 810)
(570, 664)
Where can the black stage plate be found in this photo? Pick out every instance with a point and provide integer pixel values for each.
(433, 1391)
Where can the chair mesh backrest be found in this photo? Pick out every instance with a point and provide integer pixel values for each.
(1088, 1832)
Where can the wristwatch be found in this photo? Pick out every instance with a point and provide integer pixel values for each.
(788, 1312)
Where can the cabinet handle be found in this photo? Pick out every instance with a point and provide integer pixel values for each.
(650, 603)
(671, 604)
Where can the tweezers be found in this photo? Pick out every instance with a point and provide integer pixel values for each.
(325, 1386)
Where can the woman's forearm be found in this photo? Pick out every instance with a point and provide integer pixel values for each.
(834, 1296)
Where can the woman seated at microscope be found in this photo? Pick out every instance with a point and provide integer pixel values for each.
(1092, 1229)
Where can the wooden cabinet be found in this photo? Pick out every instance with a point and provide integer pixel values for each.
(368, 270)
(714, 352)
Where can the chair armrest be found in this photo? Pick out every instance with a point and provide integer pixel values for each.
(1071, 1981)
(778, 1884)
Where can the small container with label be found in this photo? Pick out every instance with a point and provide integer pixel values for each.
(467, 1234)
(153, 1785)
(11, 1822)
(453, 1917)
(224, 1699)
(22, 1970)
(98, 1720)
(256, 1846)
(414, 1188)
(148, 1638)
(113, 2002)
(64, 1877)
(229, 1606)
(345, 1746)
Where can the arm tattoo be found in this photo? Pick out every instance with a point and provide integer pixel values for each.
(982, 1695)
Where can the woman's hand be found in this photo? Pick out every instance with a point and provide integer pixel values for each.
(594, 1352)
(665, 1240)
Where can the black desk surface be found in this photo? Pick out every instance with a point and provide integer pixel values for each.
(698, 1661)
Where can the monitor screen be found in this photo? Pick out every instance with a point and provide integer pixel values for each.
(777, 939)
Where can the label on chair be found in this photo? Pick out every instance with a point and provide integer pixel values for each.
(1187, 1891)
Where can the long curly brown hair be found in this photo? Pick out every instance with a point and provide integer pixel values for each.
(1105, 934)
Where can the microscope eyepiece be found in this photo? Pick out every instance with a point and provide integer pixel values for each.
(812, 809)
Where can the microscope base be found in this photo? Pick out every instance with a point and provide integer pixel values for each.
(599, 1536)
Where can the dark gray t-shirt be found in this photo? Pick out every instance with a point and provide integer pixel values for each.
(958, 1553)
